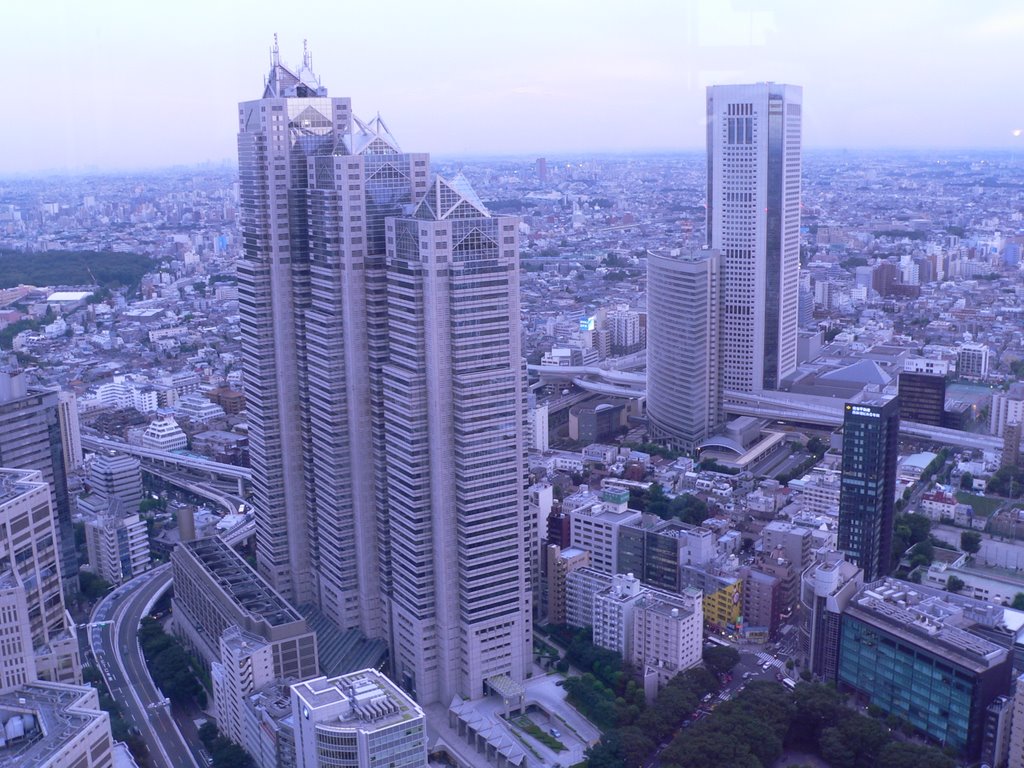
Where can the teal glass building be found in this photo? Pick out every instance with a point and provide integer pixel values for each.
(910, 661)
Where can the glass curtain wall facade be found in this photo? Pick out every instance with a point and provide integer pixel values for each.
(868, 485)
(932, 688)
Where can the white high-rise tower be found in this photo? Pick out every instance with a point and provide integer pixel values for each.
(753, 220)
(386, 391)
(316, 184)
(456, 448)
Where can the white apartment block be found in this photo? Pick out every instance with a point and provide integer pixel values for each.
(581, 587)
(1007, 407)
(927, 365)
(595, 528)
(246, 664)
(668, 632)
(613, 614)
(819, 491)
(164, 434)
(972, 360)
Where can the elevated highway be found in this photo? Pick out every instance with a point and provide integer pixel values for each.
(196, 464)
(808, 409)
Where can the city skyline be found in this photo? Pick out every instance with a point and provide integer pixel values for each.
(543, 86)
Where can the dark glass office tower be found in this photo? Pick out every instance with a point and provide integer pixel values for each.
(922, 398)
(870, 433)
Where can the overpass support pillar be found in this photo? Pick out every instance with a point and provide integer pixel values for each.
(241, 487)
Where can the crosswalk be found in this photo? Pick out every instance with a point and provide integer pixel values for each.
(767, 658)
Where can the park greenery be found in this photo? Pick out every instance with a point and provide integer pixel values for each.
(173, 670)
(751, 731)
(103, 268)
(766, 719)
(720, 659)
(912, 530)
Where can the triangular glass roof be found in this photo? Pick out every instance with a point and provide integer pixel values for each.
(373, 138)
(450, 199)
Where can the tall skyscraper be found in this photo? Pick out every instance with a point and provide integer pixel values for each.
(683, 392)
(316, 184)
(386, 390)
(29, 573)
(30, 438)
(456, 449)
(868, 484)
(753, 219)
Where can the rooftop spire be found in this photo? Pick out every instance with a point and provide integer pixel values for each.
(275, 53)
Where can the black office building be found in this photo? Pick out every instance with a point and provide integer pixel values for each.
(868, 484)
(922, 398)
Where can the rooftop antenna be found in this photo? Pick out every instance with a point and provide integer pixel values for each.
(275, 54)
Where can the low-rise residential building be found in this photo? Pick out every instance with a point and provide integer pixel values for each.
(595, 527)
(668, 632)
(358, 719)
(560, 563)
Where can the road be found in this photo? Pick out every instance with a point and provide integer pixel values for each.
(113, 639)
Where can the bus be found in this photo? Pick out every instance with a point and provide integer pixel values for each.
(715, 640)
(791, 684)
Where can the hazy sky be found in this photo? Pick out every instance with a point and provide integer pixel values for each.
(118, 84)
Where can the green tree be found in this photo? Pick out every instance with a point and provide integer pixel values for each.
(92, 586)
(817, 707)
(688, 508)
(1007, 481)
(720, 659)
(922, 553)
(657, 503)
(967, 481)
(954, 584)
(1018, 602)
(970, 542)
(900, 754)
(208, 732)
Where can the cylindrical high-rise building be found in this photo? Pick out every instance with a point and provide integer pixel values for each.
(683, 290)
